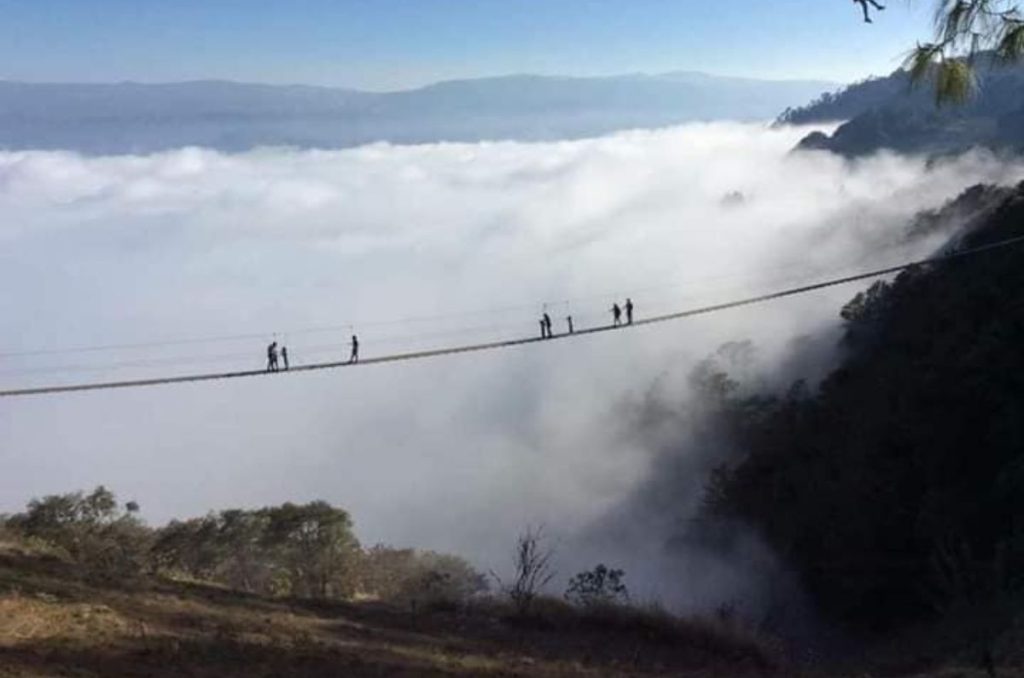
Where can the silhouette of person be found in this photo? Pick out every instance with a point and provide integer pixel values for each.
(284, 357)
(354, 357)
(616, 314)
(547, 325)
(272, 357)
(543, 329)
(629, 311)
(568, 319)
(867, 12)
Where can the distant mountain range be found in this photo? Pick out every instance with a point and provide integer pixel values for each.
(141, 118)
(890, 113)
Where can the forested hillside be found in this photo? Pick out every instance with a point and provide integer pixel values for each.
(896, 487)
(891, 113)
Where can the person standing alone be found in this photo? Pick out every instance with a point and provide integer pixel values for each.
(354, 356)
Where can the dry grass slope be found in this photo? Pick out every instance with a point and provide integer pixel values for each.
(52, 622)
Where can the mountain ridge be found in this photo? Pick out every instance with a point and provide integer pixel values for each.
(892, 113)
(116, 118)
(524, 75)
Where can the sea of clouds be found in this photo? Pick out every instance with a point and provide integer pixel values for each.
(415, 247)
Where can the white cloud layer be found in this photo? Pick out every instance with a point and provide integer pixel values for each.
(456, 453)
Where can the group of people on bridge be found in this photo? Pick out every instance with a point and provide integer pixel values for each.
(546, 331)
(272, 357)
(617, 313)
(276, 356)
(273, 365)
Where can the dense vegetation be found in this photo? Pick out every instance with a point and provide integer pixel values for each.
(896, 487)
(890, 113)
(87, 589)
(299, 551)
(849, 101)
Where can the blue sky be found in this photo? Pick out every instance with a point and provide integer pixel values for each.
(389, 44)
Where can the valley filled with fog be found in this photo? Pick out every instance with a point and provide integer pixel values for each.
(424, 246)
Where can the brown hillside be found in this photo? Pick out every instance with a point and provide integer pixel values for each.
(53, 622)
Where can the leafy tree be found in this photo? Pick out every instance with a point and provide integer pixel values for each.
(91, 529)
(384, 571)
(303, 550)
(242, 561)
(307, 550)
(189, 547)
(315, 545)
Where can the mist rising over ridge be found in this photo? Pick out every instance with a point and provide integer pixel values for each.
(228, 116)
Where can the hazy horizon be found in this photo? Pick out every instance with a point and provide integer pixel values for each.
(431, 83)
(130, 118)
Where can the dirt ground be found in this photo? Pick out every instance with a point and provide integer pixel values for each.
(54, 623)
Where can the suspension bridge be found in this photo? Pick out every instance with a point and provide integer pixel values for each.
(508, 343)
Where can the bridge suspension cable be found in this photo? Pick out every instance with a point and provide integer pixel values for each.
(493, 345)
(351, 325)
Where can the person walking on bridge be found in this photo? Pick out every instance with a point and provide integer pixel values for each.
(284, 357)
(616, 315)
(547, 326)
(272, 357)
(354, 356)
(568, 320)
(629, 311)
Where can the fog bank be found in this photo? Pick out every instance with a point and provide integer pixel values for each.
(423, 246)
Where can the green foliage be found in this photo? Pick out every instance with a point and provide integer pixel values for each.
(90, 529)
(1011, 47)
(302, 550)
(965, 29)
(314, 545)
(227, 548)
(954, 78)
(954, 82)
(600, 585)
(305, 550)
(973, 61)
(846, 103)
(897, 489)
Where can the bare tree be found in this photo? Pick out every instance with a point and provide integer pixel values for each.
(533, 569)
